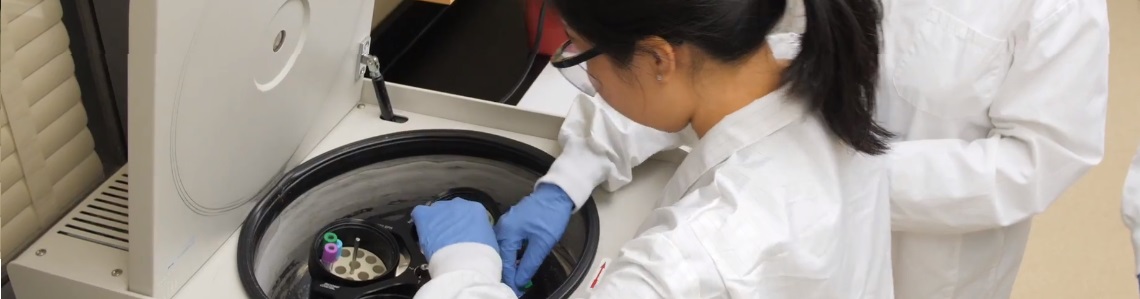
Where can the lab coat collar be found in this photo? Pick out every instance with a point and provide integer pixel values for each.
(740, 129)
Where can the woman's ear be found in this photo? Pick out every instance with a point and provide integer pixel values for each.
(664, 56)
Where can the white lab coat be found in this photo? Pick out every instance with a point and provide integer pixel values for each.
(1130, 207)
(767, 205)
(999, 106)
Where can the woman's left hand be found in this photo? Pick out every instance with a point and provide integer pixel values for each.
(450, 222)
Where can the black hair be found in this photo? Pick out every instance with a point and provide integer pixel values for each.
(836, 69)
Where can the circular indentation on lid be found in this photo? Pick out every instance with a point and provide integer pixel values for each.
(278, 41)
(288, 31)
(363, 276)
(345, 253)
(235, 67)
(354, 264)
(370, 259)
(378, 269)
(341, 270)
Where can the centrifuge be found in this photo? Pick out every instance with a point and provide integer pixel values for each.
(269, 160)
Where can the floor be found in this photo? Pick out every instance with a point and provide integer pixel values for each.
(1079, 248)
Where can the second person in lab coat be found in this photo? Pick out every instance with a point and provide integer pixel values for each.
(782, 196)
(1130, 207)
(998, 106)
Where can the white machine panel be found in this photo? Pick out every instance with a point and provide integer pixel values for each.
(223, 96)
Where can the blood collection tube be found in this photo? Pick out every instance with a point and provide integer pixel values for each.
(330, 253)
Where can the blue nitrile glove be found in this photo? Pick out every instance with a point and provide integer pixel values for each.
(451, 222)
(539, 219)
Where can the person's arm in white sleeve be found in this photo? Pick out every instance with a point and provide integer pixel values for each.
(1048, 118)
(649, 267)
(1130, 207)
(729, 239)
(714, 230)
(601, 145)
(465, 270)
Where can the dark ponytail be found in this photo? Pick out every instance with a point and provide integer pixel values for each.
(837, 69)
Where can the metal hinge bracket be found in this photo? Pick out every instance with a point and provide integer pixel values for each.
(368, 66)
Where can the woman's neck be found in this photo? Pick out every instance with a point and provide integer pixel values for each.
(725, 89)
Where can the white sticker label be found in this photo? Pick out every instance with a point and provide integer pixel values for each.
(601, 272)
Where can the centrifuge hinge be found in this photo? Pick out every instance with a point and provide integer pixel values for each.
(369, 67)
(367, 63)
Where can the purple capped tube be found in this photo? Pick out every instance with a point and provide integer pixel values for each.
(330, 253)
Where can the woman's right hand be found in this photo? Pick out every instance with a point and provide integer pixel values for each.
(539, 220)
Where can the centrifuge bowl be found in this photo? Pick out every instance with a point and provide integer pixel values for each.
(391, 174)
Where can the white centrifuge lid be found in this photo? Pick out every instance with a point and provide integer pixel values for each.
(223, 97)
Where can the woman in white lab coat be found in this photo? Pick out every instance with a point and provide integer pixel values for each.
(782, 196)
(998, 106)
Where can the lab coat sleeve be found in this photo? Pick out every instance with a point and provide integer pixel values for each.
(726, 240)
(1048, 119)
(1131, 205)
(717, 242)
(651, 267)
(465, 270)
(601, 145)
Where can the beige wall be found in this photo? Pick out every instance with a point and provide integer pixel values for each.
(382, 9)
(1079, 248)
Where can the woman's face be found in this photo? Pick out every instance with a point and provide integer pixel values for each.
(636, 92)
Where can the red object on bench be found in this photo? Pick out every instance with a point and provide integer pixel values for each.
(553, 35)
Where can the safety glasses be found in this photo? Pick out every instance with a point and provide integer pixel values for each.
(569, 61)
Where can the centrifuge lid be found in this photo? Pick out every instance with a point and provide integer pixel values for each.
(224, 97)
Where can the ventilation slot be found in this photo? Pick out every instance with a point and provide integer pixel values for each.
(102, 218)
